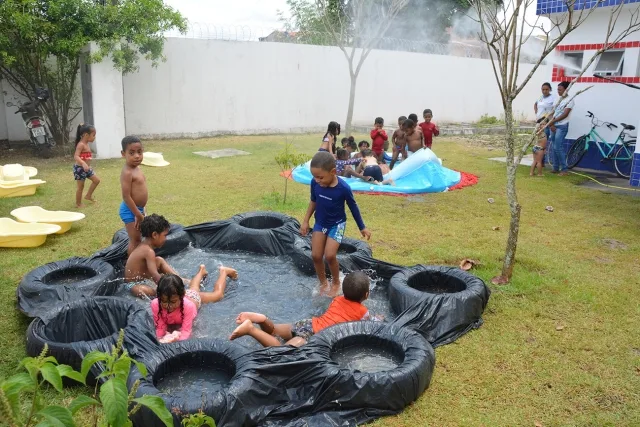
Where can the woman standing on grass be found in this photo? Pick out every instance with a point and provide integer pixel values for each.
(559, 126)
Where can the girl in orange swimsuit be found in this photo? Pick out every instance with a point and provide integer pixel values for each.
(82, 168)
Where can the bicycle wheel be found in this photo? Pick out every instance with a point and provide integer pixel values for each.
(576, 151)
(623, 159)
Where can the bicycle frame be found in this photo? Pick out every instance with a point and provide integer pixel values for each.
(594, 136)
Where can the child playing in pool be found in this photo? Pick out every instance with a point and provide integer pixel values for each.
(82, 168)
(399, 145)
(413, 137)
(144, 269)
(134, 190)
(378, 138)
(176, 307)
(346, 308)
(329, 138)
(344, 163)
(362, 145)
(328, 197)
(429, 129)
(372, 169)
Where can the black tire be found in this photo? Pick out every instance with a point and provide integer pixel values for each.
(390, 389)
(222, 355)
(177, 240)
(268, 233)
(86, 325)
(577, 151)
(45, 287)
(352, 255)
(443, 303)
(623, 167)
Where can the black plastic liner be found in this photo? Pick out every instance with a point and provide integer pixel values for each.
(269, 233)
(177, 240)
(223, 357)
(346, 375)
(289, 386)
(91, 324)
(352, 254)
(45, 287)
(443, 303)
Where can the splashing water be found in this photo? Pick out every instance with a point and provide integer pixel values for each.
(266, 284)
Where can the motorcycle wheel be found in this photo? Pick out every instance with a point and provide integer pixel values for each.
(42, 147)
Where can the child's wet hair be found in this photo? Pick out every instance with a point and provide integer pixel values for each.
(409, 123)
(363, 144)
(342, 154)
(168, 286)
(153, 224)
(413, 117)
(344, 141)
(352, 139)
(427, 111)
(379, 121)
(333, 129)
(352, 145)
(367, 152)
(355, 286)
(82, 129)
(402, 119)
(128, 140)
(323, 160)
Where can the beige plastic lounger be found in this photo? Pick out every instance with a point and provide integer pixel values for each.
(37, 214)
(15, 234)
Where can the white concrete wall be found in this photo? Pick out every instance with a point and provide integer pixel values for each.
(610, 102)
(208, 87)
(108, 108)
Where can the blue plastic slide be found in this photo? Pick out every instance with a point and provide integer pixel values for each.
(420, 173)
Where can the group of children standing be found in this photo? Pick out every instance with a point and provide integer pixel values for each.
(176, 300)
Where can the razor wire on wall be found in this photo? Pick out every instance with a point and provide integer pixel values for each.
(244, 33)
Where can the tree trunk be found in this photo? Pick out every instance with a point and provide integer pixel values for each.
(352, 99)
(512, 196)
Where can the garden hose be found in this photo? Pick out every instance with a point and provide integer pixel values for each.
(603, 184)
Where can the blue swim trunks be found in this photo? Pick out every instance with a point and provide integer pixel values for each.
(126, 215)
(336, 232)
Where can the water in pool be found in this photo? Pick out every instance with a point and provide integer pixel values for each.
(366, 359)
(266, 284)
(200, 380)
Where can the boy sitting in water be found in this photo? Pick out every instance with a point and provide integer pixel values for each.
(346, 308)
(372, 169)
(144, 269)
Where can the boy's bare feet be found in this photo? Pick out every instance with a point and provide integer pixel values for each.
(79, 205)
(253, 317)
(242, 330)
(91, 199)
(229, 272)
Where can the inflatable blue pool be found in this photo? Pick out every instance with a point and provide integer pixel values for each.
(420, 173)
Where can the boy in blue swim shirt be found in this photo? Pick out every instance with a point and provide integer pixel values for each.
(328, 197)
(134, 190)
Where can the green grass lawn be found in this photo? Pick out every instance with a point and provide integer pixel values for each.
(560, 344)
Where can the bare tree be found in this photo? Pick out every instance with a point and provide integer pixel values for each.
(505, 31)
(356, 32)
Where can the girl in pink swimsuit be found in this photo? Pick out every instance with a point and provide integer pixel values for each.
(82, 168)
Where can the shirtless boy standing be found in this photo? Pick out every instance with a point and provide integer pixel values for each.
(413, 137)
(134, 190)
(399, 146)
(144, 269)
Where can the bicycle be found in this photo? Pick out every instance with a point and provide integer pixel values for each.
(620, 151)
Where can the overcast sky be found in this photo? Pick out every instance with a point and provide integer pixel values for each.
(254, 13)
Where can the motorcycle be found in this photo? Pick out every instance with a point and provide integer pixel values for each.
(37, 127)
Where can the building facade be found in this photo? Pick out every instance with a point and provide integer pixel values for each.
(609, 101)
